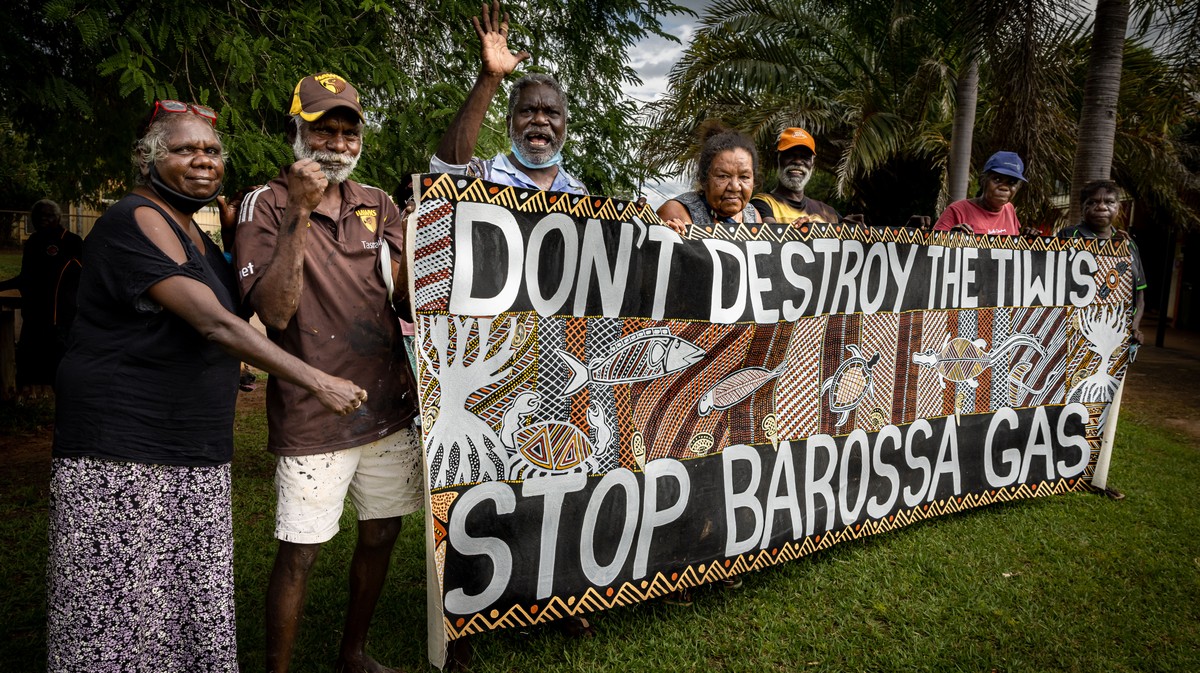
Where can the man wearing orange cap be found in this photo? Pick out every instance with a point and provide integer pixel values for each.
(318, 256)
(797, 152)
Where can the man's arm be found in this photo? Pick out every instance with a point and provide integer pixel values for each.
(198, 306)
(458, 144)
(1139, 290)
(276, 294)
(1139, 308)
(393, 223)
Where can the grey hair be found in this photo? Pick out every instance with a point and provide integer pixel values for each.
(535, 79)
(58, 214)
(152, 146)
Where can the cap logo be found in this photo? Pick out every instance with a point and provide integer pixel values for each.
(333, 83)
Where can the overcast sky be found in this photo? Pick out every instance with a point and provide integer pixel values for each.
(653, 58)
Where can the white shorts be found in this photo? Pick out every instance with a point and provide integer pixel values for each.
(384, 479)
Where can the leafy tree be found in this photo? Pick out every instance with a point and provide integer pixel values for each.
(80, 74)
(21, 181)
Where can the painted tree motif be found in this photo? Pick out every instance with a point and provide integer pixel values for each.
(1105, 331)
(466, 355)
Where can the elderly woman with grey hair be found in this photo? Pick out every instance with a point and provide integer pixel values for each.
(725, 170)
(140, 569)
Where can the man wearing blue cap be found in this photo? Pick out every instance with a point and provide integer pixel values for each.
(991, 212)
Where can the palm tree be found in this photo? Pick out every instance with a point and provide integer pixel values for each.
(966, 98)
(882, 86)
(1101, 90)
(1172, 29)
(877, 83)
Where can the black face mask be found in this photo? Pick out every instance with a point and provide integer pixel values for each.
(181, 202)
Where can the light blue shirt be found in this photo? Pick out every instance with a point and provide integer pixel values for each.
(500, 170)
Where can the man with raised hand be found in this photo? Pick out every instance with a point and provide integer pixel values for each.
(318, 257)
(537, 129)
(536, 120)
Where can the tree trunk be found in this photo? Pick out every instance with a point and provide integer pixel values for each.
(966, 96)
(1098, 118)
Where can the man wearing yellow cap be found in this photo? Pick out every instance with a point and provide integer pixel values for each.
(797, 152)
(315, 254)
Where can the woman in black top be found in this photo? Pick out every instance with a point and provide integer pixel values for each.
(141, 547)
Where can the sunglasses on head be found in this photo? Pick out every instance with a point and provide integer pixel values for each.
(179, 107)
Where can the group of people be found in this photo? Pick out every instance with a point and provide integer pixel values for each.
(726, 169)
(725, 181)
(140, 573)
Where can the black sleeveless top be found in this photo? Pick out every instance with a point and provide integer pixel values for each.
(138, 383)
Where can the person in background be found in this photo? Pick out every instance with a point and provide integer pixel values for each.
(725, 178)
(140, 565)
(992, 211)
(48, 282)
(787, 203)
(320, 260)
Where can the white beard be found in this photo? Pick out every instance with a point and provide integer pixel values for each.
(793, 184)
(537, 155)
(336, 167)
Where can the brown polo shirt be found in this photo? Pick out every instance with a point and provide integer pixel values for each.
(344, 324)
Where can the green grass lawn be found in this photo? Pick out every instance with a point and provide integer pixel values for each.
(10, 262)
(1065, 583)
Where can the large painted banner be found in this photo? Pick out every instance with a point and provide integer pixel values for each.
(612, 412)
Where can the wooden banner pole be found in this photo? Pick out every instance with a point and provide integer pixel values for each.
(1100, 477)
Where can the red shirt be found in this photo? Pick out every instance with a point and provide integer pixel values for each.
(982, 221)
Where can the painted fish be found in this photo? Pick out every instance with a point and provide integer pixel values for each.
(644, 355)
(736, 387)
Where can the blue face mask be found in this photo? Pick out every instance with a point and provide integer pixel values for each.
(554, 160)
